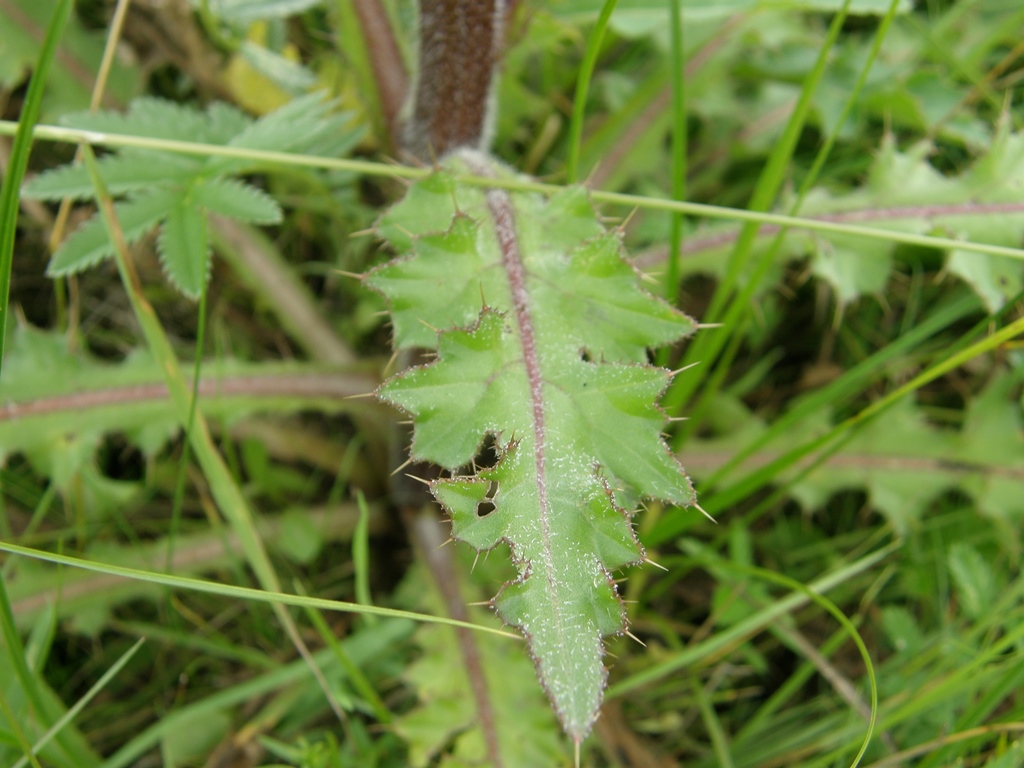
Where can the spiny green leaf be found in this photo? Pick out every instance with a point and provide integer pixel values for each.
(184, 249)
(542, 333)
(88, 245)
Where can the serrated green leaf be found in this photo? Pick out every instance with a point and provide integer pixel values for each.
(295, 127)
(158, 119)
(88, 245)
(182, 189)
(544, 332)
(184, 248)
(235, 200)
(123, 173)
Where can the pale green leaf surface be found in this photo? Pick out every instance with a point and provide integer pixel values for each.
(542, 344)
(89, 244)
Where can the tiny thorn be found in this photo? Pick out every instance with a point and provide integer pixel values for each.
(634, 637)
(406, 422)
(647, 278)
(677, 371)
(428, 325)
(363, 232)
(482, 603)
(391, 362)
(475, 561)
(418, 479)
(678, 418)
(382, 313)
(356, 397)
(709, 325)
(444, 543)
(401, 466)
(656, 565)
(350, 274)
(701, 510)
(629, 218)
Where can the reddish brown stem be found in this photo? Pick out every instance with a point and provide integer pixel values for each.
(460, 47)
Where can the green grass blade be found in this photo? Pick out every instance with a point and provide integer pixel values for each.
(19, 158)
(579, 103)
(750, 625)
(679, 141)
(707, 346)
(79, 705)
(238, 593)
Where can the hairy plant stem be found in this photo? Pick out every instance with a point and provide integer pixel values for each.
(460, 46)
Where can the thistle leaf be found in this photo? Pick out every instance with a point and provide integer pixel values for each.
(543, 342)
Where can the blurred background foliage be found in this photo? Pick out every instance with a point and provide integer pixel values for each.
(912, 519)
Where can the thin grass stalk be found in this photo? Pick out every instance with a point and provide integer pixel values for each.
(79, 705)
(579, 103)
(739, 310)
(271, 159)
(752, 624)
(679, 142)
(833, 440)
(706, 347)
(26, 677)
(712, 724)
(226, 492)
(18, 163)
(16, 730)
(179, 485)
(241, 593)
